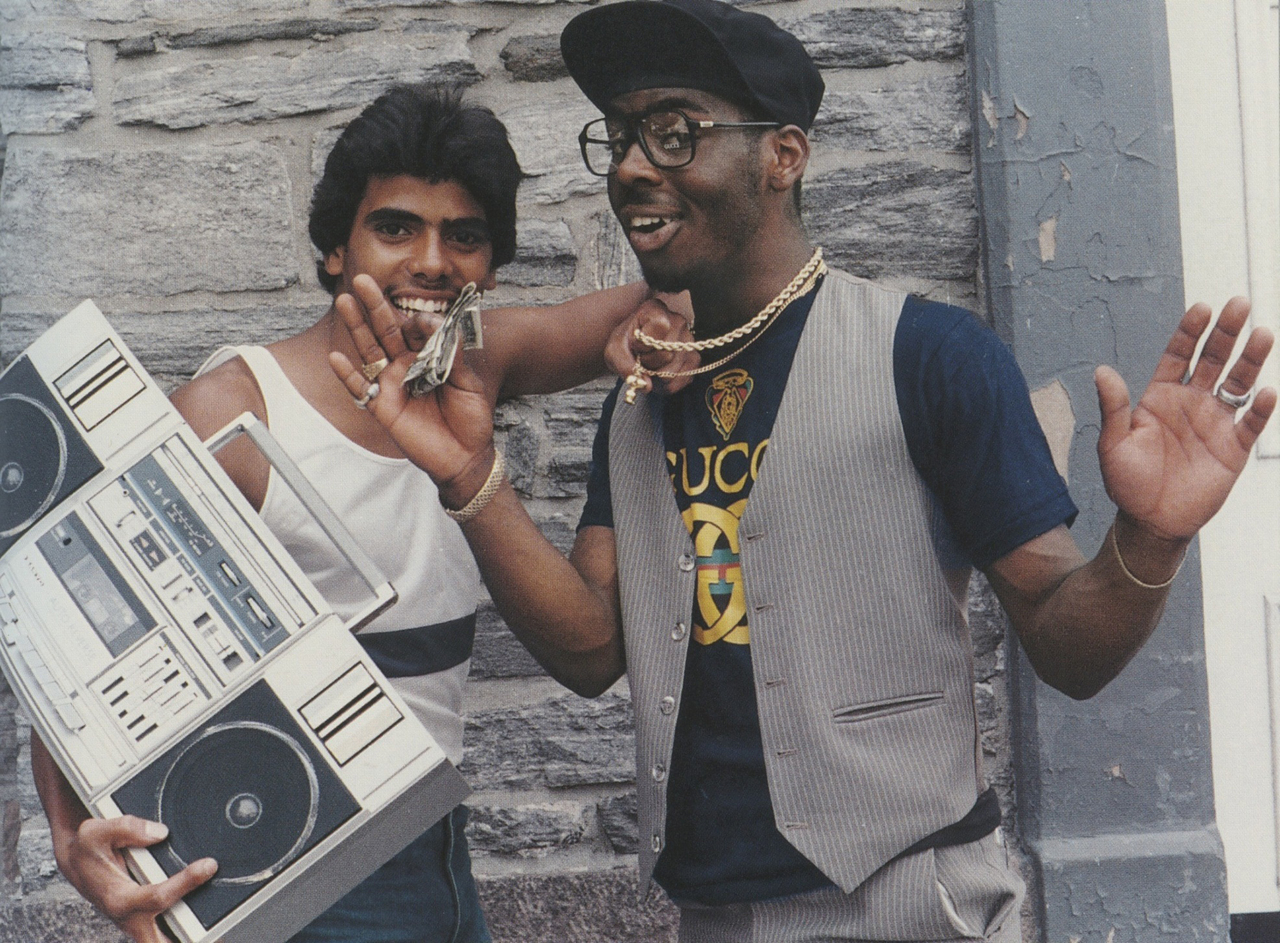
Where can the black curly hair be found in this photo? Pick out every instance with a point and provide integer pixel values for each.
(425, 131)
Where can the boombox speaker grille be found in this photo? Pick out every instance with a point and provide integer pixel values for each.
(246, 788)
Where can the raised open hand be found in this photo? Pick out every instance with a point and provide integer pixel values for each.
(1170, 462)
(447, 432)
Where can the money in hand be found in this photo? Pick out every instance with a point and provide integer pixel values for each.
(434, 362)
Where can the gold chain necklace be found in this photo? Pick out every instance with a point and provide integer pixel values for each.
(801, 285)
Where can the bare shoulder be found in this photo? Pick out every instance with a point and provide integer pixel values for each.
(212, 400)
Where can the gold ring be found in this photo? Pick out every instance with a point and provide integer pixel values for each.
(371, 370)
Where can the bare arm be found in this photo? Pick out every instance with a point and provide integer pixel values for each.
(565, 611)
(1168, 464)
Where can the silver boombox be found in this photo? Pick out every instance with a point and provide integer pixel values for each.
(177, 662)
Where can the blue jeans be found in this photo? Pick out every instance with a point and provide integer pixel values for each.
(425, 894)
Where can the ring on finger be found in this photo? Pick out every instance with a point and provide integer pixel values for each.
(1235, 401)
(362, 402)
(371, 370)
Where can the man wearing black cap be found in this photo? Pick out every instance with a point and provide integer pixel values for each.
(809, 767)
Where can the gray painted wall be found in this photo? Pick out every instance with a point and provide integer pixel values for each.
(1082, 259)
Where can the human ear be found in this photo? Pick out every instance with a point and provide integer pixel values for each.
(333, 260)
(788, 157)
(489, 282)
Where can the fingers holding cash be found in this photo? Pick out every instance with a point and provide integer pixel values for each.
(441, 417)
(461, 328)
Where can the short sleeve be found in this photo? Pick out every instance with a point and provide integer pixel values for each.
(972, 433)
(598, 511)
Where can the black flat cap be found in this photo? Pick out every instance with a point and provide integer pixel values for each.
(704, 44)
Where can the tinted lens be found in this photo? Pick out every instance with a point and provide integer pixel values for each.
(597, 150)
(668, 138)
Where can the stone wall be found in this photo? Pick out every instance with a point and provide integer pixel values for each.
(161, 155)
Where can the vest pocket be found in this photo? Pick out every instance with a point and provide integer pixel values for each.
(885, 707)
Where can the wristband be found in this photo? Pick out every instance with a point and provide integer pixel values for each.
(484, 495)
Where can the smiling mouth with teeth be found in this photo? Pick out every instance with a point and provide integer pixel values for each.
(648, 223)
(412, 306)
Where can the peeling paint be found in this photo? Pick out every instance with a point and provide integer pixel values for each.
(989, 111)
(1023, 119)
(1049, 239)
(1066, 171)
(1052, 406)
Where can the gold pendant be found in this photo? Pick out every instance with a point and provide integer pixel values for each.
(633, 384)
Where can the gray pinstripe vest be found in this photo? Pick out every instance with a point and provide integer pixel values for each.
(862, 660)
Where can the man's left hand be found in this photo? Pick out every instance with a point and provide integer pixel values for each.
(1170, 462)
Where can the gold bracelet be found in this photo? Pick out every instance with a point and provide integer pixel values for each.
(1115, 546)
(483, 496)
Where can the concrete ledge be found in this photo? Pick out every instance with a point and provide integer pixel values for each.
(1159, 886)
(599, 907)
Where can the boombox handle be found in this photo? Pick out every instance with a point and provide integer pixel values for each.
(249, 424)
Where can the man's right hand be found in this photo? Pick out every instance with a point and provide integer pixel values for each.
(92, 858)
(662, 316)
(448, 433)
(90, 852)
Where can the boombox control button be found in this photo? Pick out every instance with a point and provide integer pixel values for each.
(70, 716)
(6, 611)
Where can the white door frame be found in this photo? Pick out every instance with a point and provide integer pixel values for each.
(1226, 103)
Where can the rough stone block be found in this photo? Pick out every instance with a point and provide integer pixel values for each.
(534, 58)
(63, 919)
(133, 46)
(521, 452)
(45, 83)
(109, 11)
(894, 219)
(576, 908)
(184, 92)
(864, 38)
(559, 743)
(620, 822)
(525, 830)
(206, 218)
(931, 114)
(173, 343)
(545, 255)
(498, 653)
(300, 28)
(545, 138)
(571, 417)
(567, 470)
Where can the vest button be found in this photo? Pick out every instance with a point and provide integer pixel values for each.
(657, 843)
(659, 772)
(667, 705)
(685, 562)
(679, 631)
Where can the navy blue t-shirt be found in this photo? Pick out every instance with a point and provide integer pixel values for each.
(974, 438)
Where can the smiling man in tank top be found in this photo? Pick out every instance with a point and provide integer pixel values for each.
(418, 199)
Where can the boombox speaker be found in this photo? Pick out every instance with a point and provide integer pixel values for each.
(178, 663)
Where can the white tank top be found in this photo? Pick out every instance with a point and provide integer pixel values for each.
(423, 642)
